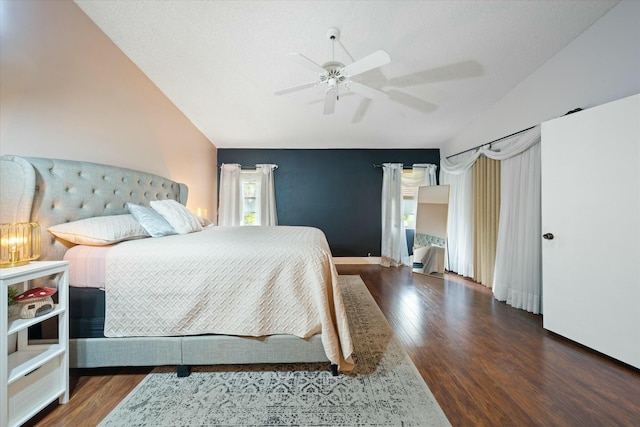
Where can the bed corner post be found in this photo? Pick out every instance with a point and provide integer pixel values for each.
(183, 371)
(334, 370)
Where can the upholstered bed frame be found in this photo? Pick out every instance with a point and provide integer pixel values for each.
(428, 240)
(50, 192)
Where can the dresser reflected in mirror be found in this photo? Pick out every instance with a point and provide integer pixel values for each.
(429, 246)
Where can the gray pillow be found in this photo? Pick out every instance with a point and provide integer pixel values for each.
(150, 220)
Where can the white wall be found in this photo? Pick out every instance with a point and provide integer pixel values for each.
(599, 66)
(68, 92)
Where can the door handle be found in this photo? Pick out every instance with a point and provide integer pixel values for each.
(548, 236)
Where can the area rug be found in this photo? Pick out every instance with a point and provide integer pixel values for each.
(385, 388)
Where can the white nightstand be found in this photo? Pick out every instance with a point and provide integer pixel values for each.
(35, 375)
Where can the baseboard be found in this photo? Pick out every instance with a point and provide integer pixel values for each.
(356, 260)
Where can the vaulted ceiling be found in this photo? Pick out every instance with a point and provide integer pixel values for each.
(220, 63)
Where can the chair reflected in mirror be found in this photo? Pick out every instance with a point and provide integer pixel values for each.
(430, 241)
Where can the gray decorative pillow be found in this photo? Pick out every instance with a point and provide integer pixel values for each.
(150, 220)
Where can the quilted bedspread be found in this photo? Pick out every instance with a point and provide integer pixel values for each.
(246, 281)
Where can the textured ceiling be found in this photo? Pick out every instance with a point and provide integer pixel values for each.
(220, 62)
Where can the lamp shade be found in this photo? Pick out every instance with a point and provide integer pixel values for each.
(19, 243)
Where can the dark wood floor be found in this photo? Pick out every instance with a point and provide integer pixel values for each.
(486, 363)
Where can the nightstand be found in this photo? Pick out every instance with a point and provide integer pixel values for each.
(36, 374)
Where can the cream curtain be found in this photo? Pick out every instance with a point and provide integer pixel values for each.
(486, 212)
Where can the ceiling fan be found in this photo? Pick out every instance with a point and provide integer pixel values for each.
(335, 75)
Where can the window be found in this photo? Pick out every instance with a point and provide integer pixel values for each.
(409, 201)
(249, 185)
(247, 197)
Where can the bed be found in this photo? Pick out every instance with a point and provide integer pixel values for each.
(428, 254)
(220, 295)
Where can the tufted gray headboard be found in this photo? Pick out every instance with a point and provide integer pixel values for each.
(428, 240)
(67, 190)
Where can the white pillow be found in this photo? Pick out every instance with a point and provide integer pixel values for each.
(100, 230)
(177, 215)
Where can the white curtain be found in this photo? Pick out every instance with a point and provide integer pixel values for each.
(518, 268)
(502, 150)
(267, 214)
(394, 240)
(230, 203)
(459, 177)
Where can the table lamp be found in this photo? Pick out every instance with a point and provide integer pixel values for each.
(19, 243)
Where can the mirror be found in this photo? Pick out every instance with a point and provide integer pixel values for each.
(429, 245)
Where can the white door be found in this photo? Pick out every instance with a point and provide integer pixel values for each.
(591, 205)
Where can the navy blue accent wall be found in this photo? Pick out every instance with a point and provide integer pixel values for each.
(337, 191)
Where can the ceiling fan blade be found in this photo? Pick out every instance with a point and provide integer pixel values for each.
(376, 59)
(329, 102)
(295, 88)
(367, 91)
(306, 62)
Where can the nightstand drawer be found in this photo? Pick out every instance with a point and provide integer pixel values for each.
(35, 390)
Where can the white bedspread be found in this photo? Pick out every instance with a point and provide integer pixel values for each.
(247, 281)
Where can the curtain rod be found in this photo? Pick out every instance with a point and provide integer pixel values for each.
(246, 167)
(489, 143)
(403, 166)
(575, 110)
